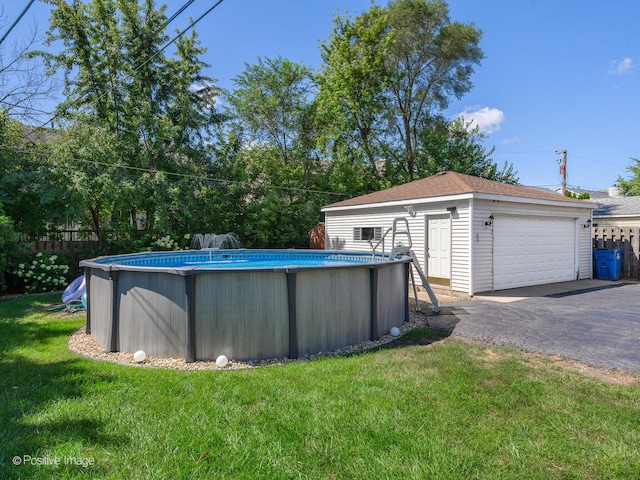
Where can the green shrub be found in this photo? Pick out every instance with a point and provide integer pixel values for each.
(8, 246)
(42, 274)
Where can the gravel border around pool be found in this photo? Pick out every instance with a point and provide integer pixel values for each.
(82, 344)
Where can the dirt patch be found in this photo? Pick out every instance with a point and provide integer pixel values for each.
(609, 376)
(536, 360)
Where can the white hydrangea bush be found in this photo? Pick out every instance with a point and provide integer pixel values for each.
(43, 274)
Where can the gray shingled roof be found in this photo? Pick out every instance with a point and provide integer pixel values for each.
(453, 183)
(617, 207)
(593, 194)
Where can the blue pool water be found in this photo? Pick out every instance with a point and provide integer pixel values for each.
(239, 259)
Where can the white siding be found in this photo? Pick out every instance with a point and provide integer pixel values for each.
(339, 232)
(339, 227)
(460, 261)
(467, 260)
(482, 248)
(483, 240)
(585, 254)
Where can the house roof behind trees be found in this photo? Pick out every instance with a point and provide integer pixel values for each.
(579, 191)
(452, 183)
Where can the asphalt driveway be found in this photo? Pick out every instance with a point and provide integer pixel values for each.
(595, 322)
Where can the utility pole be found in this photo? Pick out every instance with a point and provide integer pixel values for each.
(563, 169)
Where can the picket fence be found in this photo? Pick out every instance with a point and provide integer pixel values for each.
(626, 238)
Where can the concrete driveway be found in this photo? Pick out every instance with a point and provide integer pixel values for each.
(595, 322)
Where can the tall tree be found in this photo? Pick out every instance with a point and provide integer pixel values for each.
(159, 111)
(30, 196)
(352, 84)
(276, 117)
(96, 188)
(8, 235)
(390, 71)
(431, 61)
(458, 146)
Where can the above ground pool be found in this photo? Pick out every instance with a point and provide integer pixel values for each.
(244, 304)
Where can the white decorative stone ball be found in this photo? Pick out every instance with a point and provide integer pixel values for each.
(222, 361)
(395, 331)
(139, 356)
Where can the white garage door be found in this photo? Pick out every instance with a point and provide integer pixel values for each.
(532, 251)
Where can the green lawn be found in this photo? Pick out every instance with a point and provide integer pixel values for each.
(449, 410)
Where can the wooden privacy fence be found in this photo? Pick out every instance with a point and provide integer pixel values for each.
(59, 246)
(626, 238)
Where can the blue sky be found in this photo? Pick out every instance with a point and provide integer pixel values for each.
(558, 74)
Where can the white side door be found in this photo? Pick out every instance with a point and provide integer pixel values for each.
(438, 249)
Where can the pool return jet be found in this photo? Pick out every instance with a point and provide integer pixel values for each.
(401, 250)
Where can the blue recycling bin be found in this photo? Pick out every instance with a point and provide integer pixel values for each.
(608, 264)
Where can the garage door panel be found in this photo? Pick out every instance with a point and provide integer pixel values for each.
(532, 251)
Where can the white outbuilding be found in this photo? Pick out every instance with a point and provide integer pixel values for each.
(471, 234)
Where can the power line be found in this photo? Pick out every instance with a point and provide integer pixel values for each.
(175, 15)
(531, 151)
(16, 21)
(573, 155)
(596, 161)
(84, 121)
(181, 33)
(193, 24)
(155, 172)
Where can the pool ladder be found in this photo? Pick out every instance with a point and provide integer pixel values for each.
(401, 250)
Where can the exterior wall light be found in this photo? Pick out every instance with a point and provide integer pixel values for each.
(489, 221)
(410, 210)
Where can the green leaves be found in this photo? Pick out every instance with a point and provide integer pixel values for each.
(388, 73)
(143, 150)
(131, 111)
(273, 108)
(42, 274)
(631, 187)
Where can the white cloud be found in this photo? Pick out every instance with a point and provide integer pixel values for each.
(622, 67)
(488, 119)
(508, 141)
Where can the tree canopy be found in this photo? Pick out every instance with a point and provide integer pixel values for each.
(631, 186)
(144, 119)
(142, 146)
(274, 113)
(388, 73)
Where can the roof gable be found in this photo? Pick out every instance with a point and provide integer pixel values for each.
(453, 183)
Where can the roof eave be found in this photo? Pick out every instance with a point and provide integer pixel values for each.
(395, 203)
(539, 201)
(618, 216)
(463, 196)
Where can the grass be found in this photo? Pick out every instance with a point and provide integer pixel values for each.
(449, 410)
